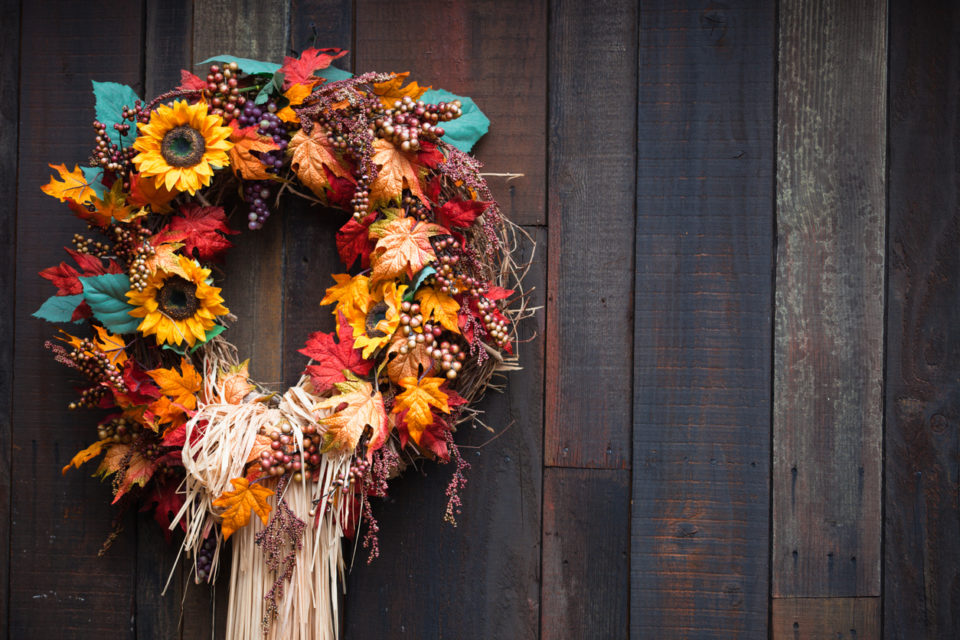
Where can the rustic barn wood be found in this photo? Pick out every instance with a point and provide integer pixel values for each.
(750, 292)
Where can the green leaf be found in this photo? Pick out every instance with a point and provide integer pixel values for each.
(182, 348)
(93, 176)
(463, 132)
(253, 67)
(58, 308)
(107, 297)
(111, 98)
(332, 74)
(425, 273)
(274, 87)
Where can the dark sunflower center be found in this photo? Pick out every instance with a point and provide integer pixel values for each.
(374, 316)
(178, 298)
(183, 146)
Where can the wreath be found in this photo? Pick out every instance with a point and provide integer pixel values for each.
(423, 320)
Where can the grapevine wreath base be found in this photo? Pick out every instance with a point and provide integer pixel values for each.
(423, 321)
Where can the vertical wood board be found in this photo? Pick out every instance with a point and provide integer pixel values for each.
(834, 618)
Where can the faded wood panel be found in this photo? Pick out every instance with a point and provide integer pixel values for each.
(9, 115)
(828, 363)
(834, 618)
(586, 553)
(480, 579)
(493, 51)
(702, 337)
(922, 549)
(59, 587)
(591, 200)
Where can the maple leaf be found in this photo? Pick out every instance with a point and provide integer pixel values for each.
(165, 257)
(391, 90)
(353, 241)
(140, 389)
(87, 454)
(341, 190)
(440, 306)
(168, 503)
(65, 278)
(311, 154)
(114, 205)
(417, 398)
(136, 469)
(145, 192)
(261, 443)
(351, 294)
(73, 185)
(295, 95)
(430, 156)
(242, 161)
(300, 70)
(414, 363)
(239, 503)
(234, 383)
(112, 346)
(179, 387)
(460, 213)
(396, 169)
(403, 248)
(191, 82)
(497, 293)
(203, 229)
(362, 406)
(333, 357)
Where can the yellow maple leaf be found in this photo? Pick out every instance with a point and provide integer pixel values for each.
(239, 503)
(296, 94)
(311, 153)
(378, 325)
(73, 185)
(391, 90)
(180, 387)
(440, 306)
(414, 363)
(362, 407)
(111, 345)
(244, 163)
(89, 453)
(403, 248)
(351, 295)
(417, 398)
(114, 205)
(396, 169)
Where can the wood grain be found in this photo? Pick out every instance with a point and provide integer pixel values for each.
(591, 201)
(493, 51)
(586, 553)
(322, 24)
(834, 618)
(702, 341)
(922, 554)
(59, 588)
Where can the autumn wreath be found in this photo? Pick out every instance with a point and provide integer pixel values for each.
(423, 321)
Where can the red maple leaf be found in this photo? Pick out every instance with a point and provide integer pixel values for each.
(168, 503)
(140, 387)
(353, 241)
(434, 439)
(429, 155)
(67, 279)
(204, 228)
(497, 293)
(341, 190)
(82, 312)
(460, 213)
(300, 71)
(333, 357)
(433, 189)
(190, 82)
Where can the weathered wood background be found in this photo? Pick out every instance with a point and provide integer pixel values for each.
(740, 407)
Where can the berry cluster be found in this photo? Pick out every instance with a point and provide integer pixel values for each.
(408, 121)
(96, 366)
(223, 92)
(120, 430)
(495, 323)
(109, 155)
(449, 355)
(204, 560)
(257, 193)
(283, 456)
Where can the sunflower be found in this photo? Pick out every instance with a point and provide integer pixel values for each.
(381, 321)
(177, 306)
(181, 146)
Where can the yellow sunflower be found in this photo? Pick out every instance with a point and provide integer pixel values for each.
(381, 321)
(177, 307)
(181, 146)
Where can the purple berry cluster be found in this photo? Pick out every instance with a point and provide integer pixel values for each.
(257, 193)
(205, 559)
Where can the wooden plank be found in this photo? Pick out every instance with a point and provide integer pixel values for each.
(702, 340)
(9, 115)
(480, 579)
(493, 51)
(169, 41)
(591, 200)
(835, 618)
(921, 552)
(828, 364)
(60, 588)
(586, 553)
(322, 24)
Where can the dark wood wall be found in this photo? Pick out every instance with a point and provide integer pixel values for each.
(739, 411)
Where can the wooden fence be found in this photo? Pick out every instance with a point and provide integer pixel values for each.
(739, 412)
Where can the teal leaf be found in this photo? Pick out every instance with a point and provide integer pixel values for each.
(107, 297)
(425, 273)
(58, 308)
(111, 98)
(463, 132)
(253, 67)
(94, 176)
(332, 74)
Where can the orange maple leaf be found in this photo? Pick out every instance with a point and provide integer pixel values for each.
(403, 247)
(112, 346)
(165, 257)
(416, 400)
(311, 153)
(244, 163)
(440, 306)
(145, 191)
(391, 91)
(296, 94)
(114, 205)
(235, 383)
(412, 364)
(396, 169)
(89, 453)
(180, 387)
(73, 185)
(137, 470)
(364, 407)
(239, 503)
